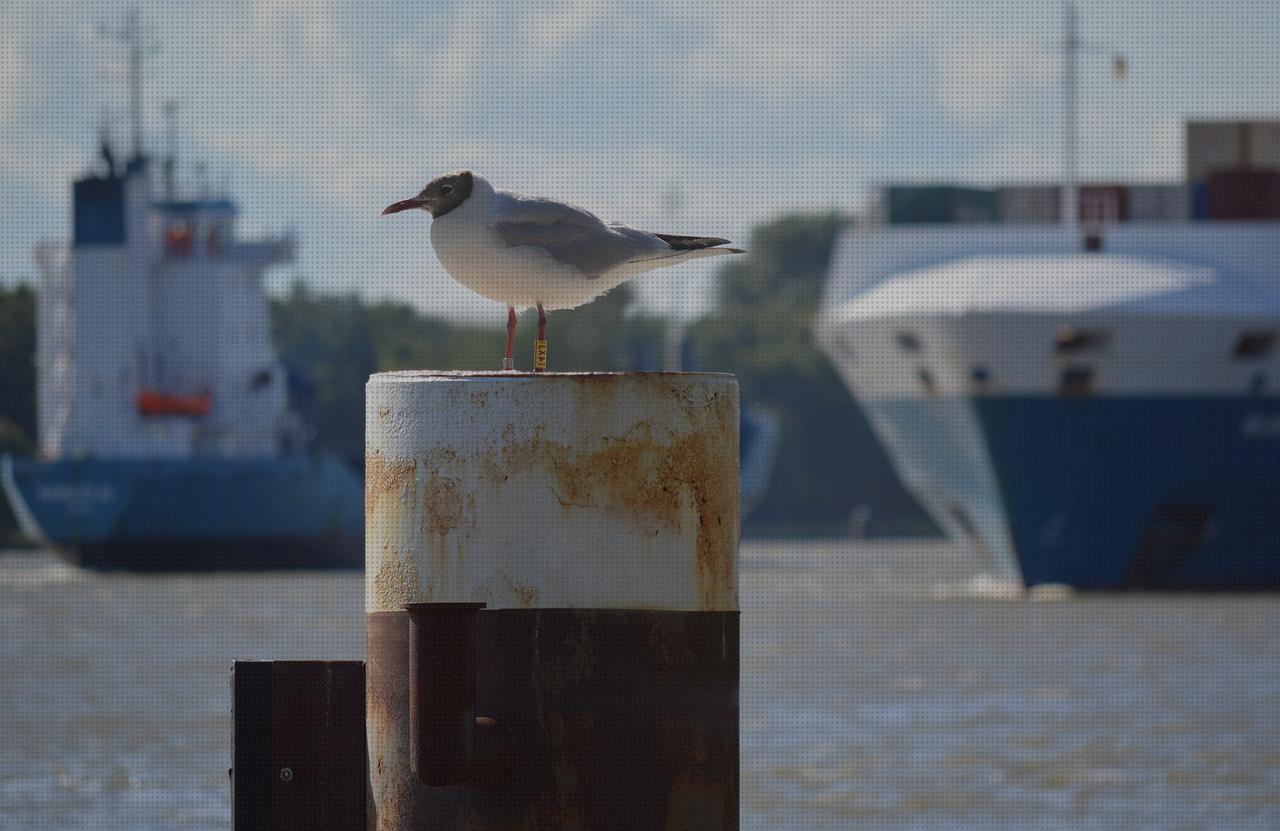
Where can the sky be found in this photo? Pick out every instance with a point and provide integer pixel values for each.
(705, 118)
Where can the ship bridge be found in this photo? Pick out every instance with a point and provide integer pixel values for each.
(154, 329)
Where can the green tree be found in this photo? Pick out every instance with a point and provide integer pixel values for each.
(17, 385)
(829, 460)
(17, 360)
(331, 344)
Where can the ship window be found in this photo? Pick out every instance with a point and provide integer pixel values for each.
(1071, 340)
(908, 341)
(926, 381)
(1255, 345)
(1076, 381)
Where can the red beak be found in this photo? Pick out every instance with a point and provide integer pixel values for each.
(403, 205)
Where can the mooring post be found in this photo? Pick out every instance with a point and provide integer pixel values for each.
(594, 517)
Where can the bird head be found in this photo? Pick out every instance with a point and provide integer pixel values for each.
(441, 195)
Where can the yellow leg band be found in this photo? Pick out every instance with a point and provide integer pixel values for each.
(539, 356)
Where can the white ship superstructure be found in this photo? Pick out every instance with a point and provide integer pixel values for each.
(1093, 402)
(166, 441)
(153, 314)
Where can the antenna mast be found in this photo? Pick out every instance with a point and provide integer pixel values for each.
(132, 36)
(1070, 172)
(171, 108)
(1071, 48)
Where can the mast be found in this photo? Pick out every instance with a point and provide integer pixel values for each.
(1070, 171)
(132, 36)
(171, 108)
(1072, 45)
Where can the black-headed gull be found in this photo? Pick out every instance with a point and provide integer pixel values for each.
(528, 251)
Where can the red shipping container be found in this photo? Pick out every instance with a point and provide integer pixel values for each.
(1101, 204)
(1243, 194)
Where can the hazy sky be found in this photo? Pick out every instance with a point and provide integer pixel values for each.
(318, 114)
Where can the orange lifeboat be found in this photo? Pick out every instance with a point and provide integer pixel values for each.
(155, 403)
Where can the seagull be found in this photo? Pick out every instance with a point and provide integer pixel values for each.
(530, 251)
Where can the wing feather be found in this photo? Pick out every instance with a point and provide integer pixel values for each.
(573, 236)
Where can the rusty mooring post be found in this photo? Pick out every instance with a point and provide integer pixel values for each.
(595, 518)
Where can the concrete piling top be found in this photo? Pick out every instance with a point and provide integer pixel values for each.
(563, 490)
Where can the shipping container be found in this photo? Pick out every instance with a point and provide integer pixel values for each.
(1199, 201)
(1103, 204)
(1264, 146)
(1231, 145)
(1211, 146)
(939, 204)
(1244, 194)
(1029, 203)
(1159, 203)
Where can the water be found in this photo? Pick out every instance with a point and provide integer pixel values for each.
(884, 686)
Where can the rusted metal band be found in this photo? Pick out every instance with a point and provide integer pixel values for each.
(622, 719)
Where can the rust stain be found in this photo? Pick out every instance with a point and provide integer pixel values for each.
(442, 505)
(393, 480)
(426, 492)
(397, 582)
(526, 597)
(655, 478)
(650, 479)
(446, 508)
(388, 483)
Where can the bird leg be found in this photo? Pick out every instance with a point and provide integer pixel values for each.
(540, 345)
(509, 363)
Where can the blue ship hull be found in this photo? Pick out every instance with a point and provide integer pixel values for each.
(187, 515)
(1140, 493)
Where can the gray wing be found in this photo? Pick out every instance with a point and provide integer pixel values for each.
(575, 237)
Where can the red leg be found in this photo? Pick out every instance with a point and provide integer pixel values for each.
(509, 362)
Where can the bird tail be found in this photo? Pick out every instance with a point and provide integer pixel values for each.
(682, 243)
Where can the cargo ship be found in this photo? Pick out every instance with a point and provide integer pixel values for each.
(1085, 386)
(165, 437)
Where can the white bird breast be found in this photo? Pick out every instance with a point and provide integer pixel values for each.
(521, 276)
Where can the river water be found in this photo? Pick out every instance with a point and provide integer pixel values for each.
(884, 686)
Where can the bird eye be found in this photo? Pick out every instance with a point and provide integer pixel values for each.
(447, 189)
